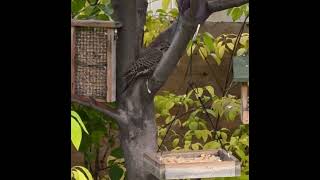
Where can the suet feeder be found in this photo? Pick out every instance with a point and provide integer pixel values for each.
(192, 164)
(241, 74)
(93, 59)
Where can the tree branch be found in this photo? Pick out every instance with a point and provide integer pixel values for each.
(101, 108)
(172, 56)
(192, 13)
(220, 5)
(142, 6)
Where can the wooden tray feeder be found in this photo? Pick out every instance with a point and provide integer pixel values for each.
(241, 74)
(192, 164)
(93, 59)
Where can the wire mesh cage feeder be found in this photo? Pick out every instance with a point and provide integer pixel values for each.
(192, 164)
(93, 59)
(241, 74)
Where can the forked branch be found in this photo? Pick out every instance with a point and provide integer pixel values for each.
(101, 108)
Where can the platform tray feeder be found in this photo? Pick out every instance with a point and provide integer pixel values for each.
(93, 59)
(192, 164)
(241, 74)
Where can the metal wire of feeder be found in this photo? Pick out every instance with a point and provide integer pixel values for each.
(91, 55)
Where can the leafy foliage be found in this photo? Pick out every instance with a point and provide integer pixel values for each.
(237, 12)
(76, 131)
(102, 130)
(157, 22)
(215, 48)
(117, 170)
(78, 172)
(193, 122)
(91, 9)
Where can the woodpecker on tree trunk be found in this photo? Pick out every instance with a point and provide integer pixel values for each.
(146, 63)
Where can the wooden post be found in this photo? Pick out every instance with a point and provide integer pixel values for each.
(73, 53)
(111, 69)
(244, 100)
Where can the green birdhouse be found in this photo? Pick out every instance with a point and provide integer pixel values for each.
(241, 68)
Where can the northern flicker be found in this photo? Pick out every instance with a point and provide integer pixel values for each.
(146, 63)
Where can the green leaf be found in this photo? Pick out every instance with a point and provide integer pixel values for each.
(215, 57)
(157, 115)
(175, 142)
(86, 172)
(159, 141)
(186, 105)
(244, 177)
(236, 132)
(195, 146)
(232, 115)
(169, 119)
(105, 2)
(203, 125)
(241, 51)
(177, 122)
(198, 134)
(229, 11)
(88, 10)
(236, 13)
(244, 40)
(77, 5)
(240, 153)
(82, 176)
(78, 175)
(211, 145)
(208, 41)
(187, 144)
(117, 152)
(165, 4)
(189, 48)
(102, 17)
(214, 114)
(221, 51)
(194, 113)
(244, 139)
(162, 132)
(199, 92)
(205, 134)
(203, 53)
(188, 135)
(77, 117)
(75, 174)
(189, 94)
(230, 46)
(193, 125)
(174, 12)
(115, 172)
(224, 135)
(76, 133)
(169, 105)
(161, 11)
(210, 89)
(233, 141)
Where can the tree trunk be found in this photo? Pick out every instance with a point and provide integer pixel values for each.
(139, 136)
